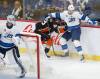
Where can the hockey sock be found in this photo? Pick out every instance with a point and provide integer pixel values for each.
(79, 49)
(65, 48)
(18, 61)
(78, 46)
(47, 50)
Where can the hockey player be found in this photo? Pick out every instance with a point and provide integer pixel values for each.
(73, 19)
(45, 29)
(59, 40)
(9, 37)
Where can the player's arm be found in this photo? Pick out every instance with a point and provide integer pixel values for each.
(57, 15)
(87, 19)
(16, 39)
(54, 15)
(91, 21)
(38, 27)
(0, 35)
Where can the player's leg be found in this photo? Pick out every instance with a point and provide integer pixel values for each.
(47, 48)
(76, 33)
(65, 37)
(64, 46)
(46, 39)
(18, 61)
(2, 55)
(17, 51)
(3, 52)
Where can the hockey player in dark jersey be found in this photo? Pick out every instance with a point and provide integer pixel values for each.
(9, 37)
(45, 29)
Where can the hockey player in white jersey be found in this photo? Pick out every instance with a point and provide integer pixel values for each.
(9, 37)
(73, 19)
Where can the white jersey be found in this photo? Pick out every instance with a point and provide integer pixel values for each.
(8, 37)
(71, 20)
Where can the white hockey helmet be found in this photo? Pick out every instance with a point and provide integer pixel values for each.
(71, 7)
(11, 19)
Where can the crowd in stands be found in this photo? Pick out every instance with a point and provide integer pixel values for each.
(29, 9)
(36, 9)
(7, 8)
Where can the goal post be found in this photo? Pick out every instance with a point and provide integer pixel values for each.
(37, 37)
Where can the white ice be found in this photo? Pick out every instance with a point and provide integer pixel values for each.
(64, 68)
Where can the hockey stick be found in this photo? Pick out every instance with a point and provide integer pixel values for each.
(52, 42)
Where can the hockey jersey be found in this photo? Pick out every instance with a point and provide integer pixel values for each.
(9, 37)
(72, 20)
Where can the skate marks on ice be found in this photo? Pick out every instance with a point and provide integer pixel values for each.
(10, 74)
(74, 69)
(63, 68)
(6, 76)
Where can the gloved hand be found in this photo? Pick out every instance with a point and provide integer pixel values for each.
(44, 37)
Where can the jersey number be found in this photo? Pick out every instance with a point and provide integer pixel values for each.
(71, 19)
(9, 36)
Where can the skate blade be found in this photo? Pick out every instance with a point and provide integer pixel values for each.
(23, 75)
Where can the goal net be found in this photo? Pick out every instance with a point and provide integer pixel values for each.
(33, 55)
(31, 46)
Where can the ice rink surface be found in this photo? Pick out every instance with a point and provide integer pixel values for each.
(64, 68)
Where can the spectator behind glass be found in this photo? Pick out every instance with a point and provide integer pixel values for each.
(39, 4)
(29, 12)
(5, 10)
(17, 11)
(48, 3)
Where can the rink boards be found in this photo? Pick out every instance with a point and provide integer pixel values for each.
(90, 39)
